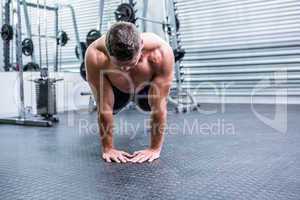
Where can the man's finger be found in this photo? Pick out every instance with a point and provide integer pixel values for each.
(127, 159)
(107, 159)
(126, 154)
(116, 159)
(144, 159)
(122, 158)
(137, 158)
(152, 158)
(136, 153)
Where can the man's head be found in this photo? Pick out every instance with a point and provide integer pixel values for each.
(124, 44)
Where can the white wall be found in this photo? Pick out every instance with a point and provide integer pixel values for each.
(68, 92)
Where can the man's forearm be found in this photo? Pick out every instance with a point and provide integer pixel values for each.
(105, 122)
(158, 123)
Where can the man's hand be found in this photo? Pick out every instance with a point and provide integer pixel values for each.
(116, 156)
(145, 155)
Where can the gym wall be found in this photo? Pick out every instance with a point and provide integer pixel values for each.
(237, 50)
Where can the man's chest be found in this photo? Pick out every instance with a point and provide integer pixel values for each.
(133, 80)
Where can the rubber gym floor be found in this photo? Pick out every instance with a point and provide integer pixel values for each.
(250, 160)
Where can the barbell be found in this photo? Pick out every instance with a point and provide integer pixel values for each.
(7, 34)
(125, 12)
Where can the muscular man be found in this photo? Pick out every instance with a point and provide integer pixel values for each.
(125, 65)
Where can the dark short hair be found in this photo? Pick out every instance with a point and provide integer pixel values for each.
(123, 41)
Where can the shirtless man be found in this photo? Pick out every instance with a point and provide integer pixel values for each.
(125, 65)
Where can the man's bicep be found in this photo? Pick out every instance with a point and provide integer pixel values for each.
(159, 92)
(161, 86)
(102, 91)
(93, 79)
(92, 70)
(163, 80)
(94, 64)
(95, 61)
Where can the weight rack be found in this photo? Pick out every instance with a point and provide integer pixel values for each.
(22, 118)
(55, 9)
(45, 87)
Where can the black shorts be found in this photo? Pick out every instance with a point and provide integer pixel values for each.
(122, 99)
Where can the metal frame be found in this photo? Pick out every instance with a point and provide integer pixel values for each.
(172, 37)
(74, 20)
(56, 46)
(6, 44)
(22, 119)
(28, 26)
(92, 104)
(25, 4)
(101, 11)
(144, 14)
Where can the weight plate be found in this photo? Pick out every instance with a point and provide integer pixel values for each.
(7, 32)
(125, 12)
(27, 47)
(62, 38)
(92, 36)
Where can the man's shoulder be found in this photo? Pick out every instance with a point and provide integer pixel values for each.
(95, 58)
(149, 37)
(161, 57)
(153, 42)
(149, 34)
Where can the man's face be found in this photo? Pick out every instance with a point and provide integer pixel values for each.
(130, 64)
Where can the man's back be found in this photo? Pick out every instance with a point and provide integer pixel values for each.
(154, 51)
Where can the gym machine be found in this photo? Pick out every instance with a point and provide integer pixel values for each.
(60, 36)
(23, 118)
(45, 86)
